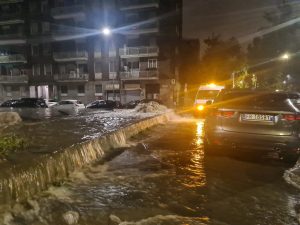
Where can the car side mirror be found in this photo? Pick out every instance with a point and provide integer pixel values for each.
(209, 102)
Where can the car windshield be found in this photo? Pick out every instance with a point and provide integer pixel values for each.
(277, 101)
(207, 94)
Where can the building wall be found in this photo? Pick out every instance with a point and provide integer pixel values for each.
(42, 45)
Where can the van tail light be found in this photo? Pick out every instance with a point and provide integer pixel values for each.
(225, 114)
(291, 117)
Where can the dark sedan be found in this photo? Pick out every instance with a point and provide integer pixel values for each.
(103, 104)
(26, 103)
(255, 121)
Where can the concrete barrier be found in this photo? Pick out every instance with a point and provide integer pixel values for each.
(17, 184)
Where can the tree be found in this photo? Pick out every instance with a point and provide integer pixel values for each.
(264, 51)
(221, 58)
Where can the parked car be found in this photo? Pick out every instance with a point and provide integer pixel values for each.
(254, 121)
(103, 104)
(9, 103)
(70, 105)
(26, 103)
(51, 102)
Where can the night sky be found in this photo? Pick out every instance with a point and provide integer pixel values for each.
(239, 18)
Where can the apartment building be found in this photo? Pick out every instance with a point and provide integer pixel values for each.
(55, 49)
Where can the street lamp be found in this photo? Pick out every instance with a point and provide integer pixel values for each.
(106, 31)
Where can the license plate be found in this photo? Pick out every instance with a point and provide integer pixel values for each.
(257, 117)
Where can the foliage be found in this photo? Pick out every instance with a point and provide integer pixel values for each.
(220, 59)
(264, 52)
(243, 79)
(11, 144)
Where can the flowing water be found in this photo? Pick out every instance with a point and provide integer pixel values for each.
(166, 179)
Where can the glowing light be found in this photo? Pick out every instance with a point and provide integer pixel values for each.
(106, 31)
(212, 85)
(285, 56)
(200, 107)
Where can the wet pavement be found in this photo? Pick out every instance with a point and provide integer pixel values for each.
(167, 179)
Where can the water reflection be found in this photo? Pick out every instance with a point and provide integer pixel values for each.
(196, 172)
(199, 134)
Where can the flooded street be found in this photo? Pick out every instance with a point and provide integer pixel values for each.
(166, 179)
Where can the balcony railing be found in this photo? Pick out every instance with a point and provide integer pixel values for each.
(69, 56)
(9, 1)
(67, 11)
(11, 17)
(15, 38)
(71, 77)
(98, 54)
(13, 79)
(138, 4)
(139, 75)
(142, 29)
(17, 58)
(138, 52)
(41, 79)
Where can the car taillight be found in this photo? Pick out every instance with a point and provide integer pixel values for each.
(225, 114)
(291, 117)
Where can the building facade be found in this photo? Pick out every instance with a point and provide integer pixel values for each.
(55, 49)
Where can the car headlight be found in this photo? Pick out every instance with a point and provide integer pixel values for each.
(200, 107)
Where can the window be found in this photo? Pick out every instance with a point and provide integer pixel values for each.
(34, 28)
(45, 27)
(15, 88)
(64, 90)
(48, 69)
(80, 89)
(113, 66)
(152, 63)
(98, 88)
(44, 6)
(46, 49)
(36, 70)
(97, 67)
(33, 7)
(35, 50)
(8, 91)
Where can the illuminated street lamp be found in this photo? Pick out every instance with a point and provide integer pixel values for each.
(106, 31)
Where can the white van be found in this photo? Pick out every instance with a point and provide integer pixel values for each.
(205, 93)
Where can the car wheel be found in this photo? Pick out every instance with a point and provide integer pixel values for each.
(209, 148)
(289, 157)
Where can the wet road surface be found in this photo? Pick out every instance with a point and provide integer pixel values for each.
(166, 179)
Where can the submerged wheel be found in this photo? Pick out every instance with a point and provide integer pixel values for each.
(209, 148)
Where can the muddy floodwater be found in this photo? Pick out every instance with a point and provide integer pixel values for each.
(166, 179)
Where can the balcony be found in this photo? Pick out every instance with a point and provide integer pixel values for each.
(10, 79)
(137, 52)
(138, 4)
(71, 77)
(149, 28)
(68, 12)
(98, 54)
(2, 2)
(139, 75)
(41, 79)
(11, 39)
(17, 58)
(7, 18)
(70, 56)
(65, 32)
